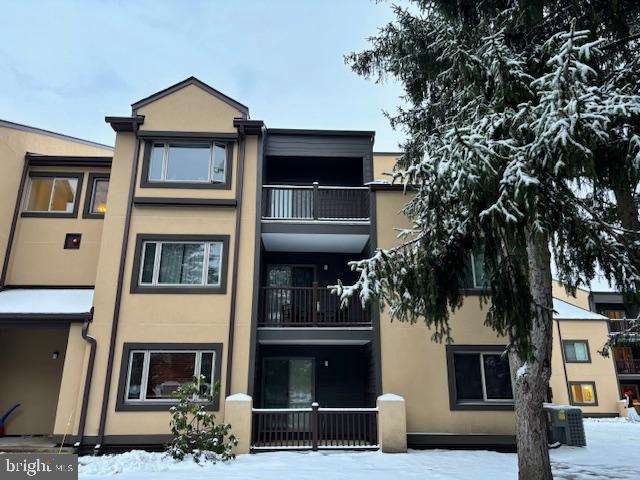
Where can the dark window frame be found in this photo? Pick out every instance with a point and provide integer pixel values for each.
(88, 197)
(141, 406)
(79, 176)
(577, 340)
(583, 382)
(494, 405)
(186, 185)
(188, 289)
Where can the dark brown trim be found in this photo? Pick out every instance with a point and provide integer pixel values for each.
(440, 440)
(375, 308)
(125, 124)
(184, 83)
(390, 154)
(122, 406)
(582, 382)
(88, 197)
(179, 135)
(563, 342)
(118, 300)
(392, 187)
(12, 229)
(79, 176)
(48, 287)
(322, 133)
(87, 381)
(226, 185)
(451, 378)
(119, 442)
(184, 202)
(250, 127)
(46, 317)
(149, 237)
(37, 160)
(600, 415)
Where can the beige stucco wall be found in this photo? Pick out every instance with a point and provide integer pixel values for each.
(383, 164)
(581, 298)
(416, 368)
(601, 370)
(14, 144)
(30, 376)
(38, 256)
(179, 318)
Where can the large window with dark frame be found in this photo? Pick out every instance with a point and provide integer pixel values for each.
(188, 162)
(51, 194)
(153, 375)
(99, 191)
(482, 378)
(179, 264)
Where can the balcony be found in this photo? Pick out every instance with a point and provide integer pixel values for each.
(314, 306)
(315, 203)
(628, 366)
(619, 324)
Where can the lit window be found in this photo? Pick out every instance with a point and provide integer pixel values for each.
(576, 351)
(583, 393)
(482, 377)
(51, 194)
(188, 162)
(181, 263)
(153, 375)
(99, 191)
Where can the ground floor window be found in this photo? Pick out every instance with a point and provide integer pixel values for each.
(583, 393)
(478, 378)
(152, 373)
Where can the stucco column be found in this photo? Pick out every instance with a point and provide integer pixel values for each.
(392, 423)
(238, 413)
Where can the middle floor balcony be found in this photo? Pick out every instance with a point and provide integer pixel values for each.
(315, 306)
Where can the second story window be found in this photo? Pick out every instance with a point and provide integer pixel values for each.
(52, 195)
(576, 351)
(474, 276)
(193, 162)
(177, 264)
(95, 205)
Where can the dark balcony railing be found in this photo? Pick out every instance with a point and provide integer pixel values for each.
(619, 324)
(315, 428)
(309, 307)
(290, 202)
(628, 366)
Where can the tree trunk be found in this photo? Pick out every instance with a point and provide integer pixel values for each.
(531, 381)
(626, 208)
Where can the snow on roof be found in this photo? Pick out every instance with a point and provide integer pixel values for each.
(46, 300)
(566, 311)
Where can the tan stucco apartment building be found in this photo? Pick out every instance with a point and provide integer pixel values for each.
(204, 243)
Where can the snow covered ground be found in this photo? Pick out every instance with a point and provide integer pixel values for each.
(612, 452)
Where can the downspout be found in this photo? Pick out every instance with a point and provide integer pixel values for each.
(236, 258)
(564, 362)
(118, 300)
(87, 382)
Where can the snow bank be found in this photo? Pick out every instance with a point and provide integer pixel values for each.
(611, 452)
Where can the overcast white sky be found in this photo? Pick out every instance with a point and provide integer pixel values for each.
(68, 64)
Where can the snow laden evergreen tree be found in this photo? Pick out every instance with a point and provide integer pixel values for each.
(503, 132)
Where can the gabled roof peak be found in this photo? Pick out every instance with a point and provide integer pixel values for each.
(185, 83)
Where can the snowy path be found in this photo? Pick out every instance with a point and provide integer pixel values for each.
(612, 453)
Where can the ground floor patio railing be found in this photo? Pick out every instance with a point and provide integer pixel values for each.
(315, 428)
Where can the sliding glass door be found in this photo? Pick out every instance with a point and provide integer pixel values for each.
(287, 382)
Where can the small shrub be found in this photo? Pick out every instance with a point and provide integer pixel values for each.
(194, 429)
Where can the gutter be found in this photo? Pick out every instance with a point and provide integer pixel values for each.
(87, 382)
(134, 123)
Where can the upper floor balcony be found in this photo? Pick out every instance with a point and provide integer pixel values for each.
(315, 203)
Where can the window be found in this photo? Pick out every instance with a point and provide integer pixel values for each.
(95, 204)
(474, 274)
(52, 195)
(583, 393)
(180, 263)
(187, 162)
(576, 351)
(151, 372)
(478, 378)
